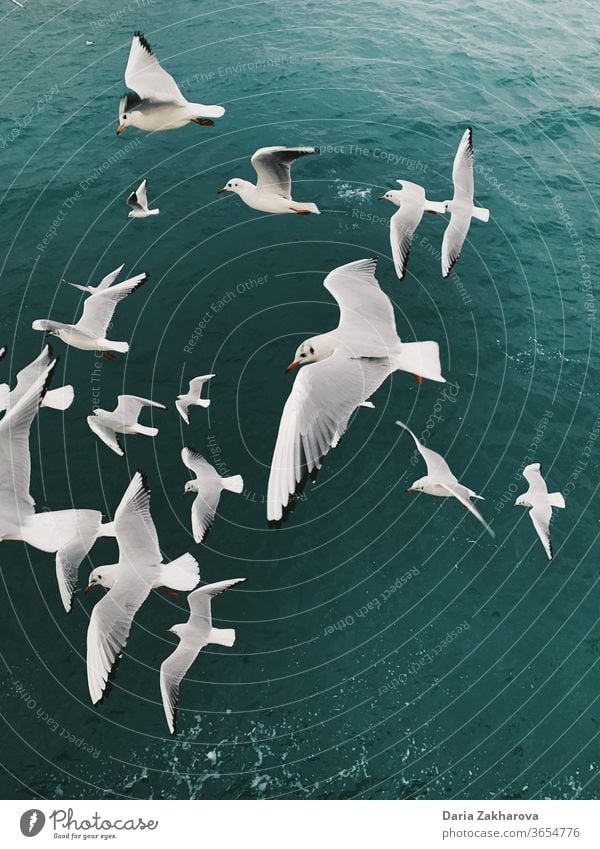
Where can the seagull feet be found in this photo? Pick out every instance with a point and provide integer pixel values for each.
(418, 378)
(172, 593)
(108, 356)
(204, 122)
(302, 211)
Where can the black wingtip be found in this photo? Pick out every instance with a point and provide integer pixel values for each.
(143, 40)
(144, 478)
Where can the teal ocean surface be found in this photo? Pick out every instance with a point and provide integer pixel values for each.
(386, 646)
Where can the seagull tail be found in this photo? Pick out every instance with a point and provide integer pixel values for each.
(119, 347)
(80, 287)
(305, 208)
(146, 431)
(182, 573)
(202, 111)
(235, 483)
(481, 213)
(556, 499)
(58, 399)
(222, 636)
(203, 402)
(421, 359)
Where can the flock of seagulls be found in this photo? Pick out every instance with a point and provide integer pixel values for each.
(338, 372)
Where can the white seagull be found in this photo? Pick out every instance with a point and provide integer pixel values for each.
(209, 484)
(123, 419)
(194, 635)
(69, 534)
(192, 396)
(103, 284)
(181, 575)
(461, 207)
(139, 201)
(440, 481)
(273, 189)
(56, 399)
(89, 333)
(346, 366)
(159, 104)
(139, 569)
(412, 204)
(541, 503)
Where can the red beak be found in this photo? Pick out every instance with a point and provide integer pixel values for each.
(220, 191)
(292, 366)
(89, 587)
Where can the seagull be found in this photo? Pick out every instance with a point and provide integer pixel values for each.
(346, 366)
(139, 201)
(69, 534)
(159, 104)
(194, 635)
(103, 284)
(88, 43)
(181, 574)
(139, 569)
(541, 503)
(90, 331)
(123, 419)
(16, 3)
(57, 399)
(461, 207)
(440, 481)
(413, 204)
(273, 190)
(208, 483)
(192, 397)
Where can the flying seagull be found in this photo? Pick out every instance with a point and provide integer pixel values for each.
(159, 105)
(192, 397)
(89, 333)
(541, 503)
(139, 569)
(139, 201)
(194, 635)
(123, 419)
(461, 207)
(412, 204)
(209, 484)
(439, 480)
(57, 399)
(273, 189)
(344, 368)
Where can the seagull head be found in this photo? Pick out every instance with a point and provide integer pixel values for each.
(521, 502)
(310, 351)
(191, 486)
(236, 185)
(102, 576)
(127, 113)
(395, 196)
(177, 630)
(417, 486)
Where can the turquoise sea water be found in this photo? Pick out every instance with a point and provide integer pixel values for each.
(386, 647)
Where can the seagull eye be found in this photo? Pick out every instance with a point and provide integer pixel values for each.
(312, 350)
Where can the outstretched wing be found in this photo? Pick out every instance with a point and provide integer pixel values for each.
(402, 227)
(109, 279)
(172, 672)
(273, 164)
(540, 516)
(456, 491)
(324, 396)
(462, 170)
(99, 308)
(139, 198)
(145, 76)
(106, 434)
(436, 465)
(129, 406)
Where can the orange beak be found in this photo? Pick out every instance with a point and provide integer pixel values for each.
(89, 587)
(292, 366)
(120, 129)
(220, 191)
(418, 378)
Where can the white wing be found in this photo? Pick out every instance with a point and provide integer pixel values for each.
(200, 606)
(437, 467)
(106, 434)
(139, 566)
(456, 491)
(172, 672)
(139, 198)
(109, 279)
(196, 384)
(533, 476)
(70, 555)
(367, 321)
(199, 466)
(540, 516)
(454, 237)
(462, 170)
(145, 76)
(15, 462)
(182, 409)
(99, 308)
(402, 226)
(273, 164)
(129, 406)
(29, 374)
(324, 396)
